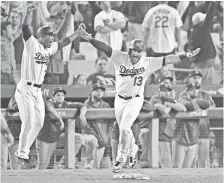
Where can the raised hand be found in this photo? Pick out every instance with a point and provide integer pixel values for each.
(82, 26)
(83, 34)
(193, 53)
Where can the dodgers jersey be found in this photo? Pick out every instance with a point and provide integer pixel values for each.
(161, 21)
(130, 79)
(35, 59)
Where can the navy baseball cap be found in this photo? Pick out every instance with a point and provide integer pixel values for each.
(190, 86)
(45, 30)
(195, 73)
(98, 86)
(59, 89)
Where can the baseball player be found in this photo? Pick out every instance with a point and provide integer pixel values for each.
(132, 70)
(36, 55)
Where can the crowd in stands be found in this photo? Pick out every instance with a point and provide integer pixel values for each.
(182, 143)
(191, 25)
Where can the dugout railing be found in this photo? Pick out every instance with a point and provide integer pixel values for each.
(153, 126)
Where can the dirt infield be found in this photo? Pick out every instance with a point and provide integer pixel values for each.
(106, 176)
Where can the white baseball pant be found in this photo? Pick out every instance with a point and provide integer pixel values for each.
(32, 112)
(126, 112)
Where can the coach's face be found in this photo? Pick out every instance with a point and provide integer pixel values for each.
(48, 40)
(196, 80)
(135, 56)
(167, 82)
(97, 94)
(59, 97)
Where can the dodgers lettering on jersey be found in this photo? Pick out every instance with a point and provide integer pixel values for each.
(130, 79)
(161, 21)
(35, 59)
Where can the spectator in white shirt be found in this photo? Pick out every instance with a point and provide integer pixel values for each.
(108, 24)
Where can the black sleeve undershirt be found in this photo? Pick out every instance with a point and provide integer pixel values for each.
(102, 47)
(26, 32)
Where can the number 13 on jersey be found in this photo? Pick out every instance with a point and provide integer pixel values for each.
(138, 81)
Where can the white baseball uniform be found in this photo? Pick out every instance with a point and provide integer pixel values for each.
(130, 81)
(162, 20)
(29, 97)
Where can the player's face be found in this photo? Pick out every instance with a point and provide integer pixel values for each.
(97, 94)
(196, 80)
(101, 66)
(48, 40)
(135, 56)
(167, 83)
(59, 97)
(14, 18)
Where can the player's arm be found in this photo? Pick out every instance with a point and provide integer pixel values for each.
(173, 59)
(26, 23)
(206, 102)
(53, 113)
(67, 40)
(97, 44)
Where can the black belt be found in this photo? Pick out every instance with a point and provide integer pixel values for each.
(128, 98)
(33, 84)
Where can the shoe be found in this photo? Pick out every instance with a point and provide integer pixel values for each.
(117, 167)
(132, 162)
(25, 163)
(132, 157)
(89, 164)
(144, 164)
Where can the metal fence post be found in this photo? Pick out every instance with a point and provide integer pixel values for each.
(153, 151)
(70, 144)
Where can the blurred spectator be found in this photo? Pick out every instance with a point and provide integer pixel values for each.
(206, 101)
(100, 128)
(8, 62)
(165, 103)
(162, 25)
(188, 8)
(61, 22)
(7, 141)
(52, 132)
(16, 19)
(10, 151)
(215, 154)
(135, 12)
(187, 130)
(101, 75)
(108, 24)
(220, 54)
(200, 37)
(79, 80)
